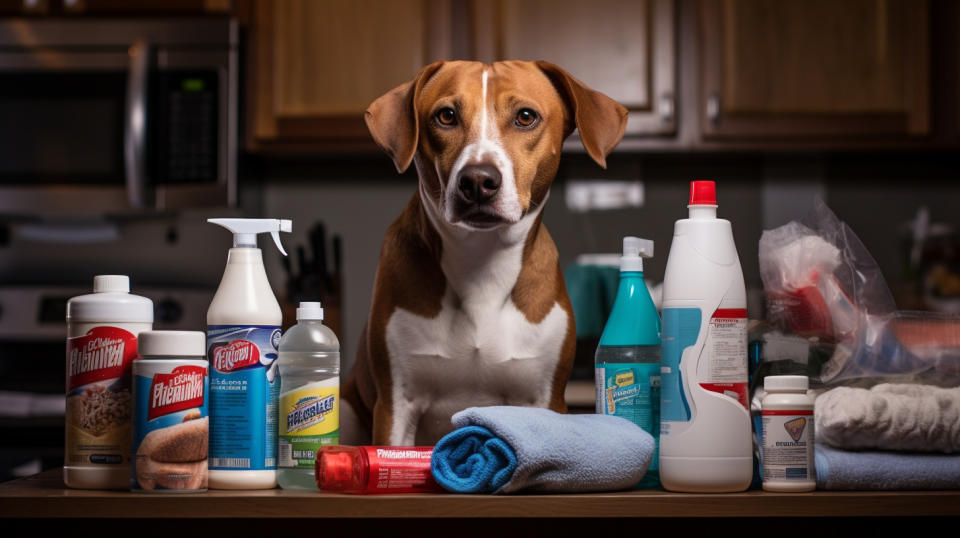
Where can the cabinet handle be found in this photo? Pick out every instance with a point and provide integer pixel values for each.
(713, 107)
(666, 107)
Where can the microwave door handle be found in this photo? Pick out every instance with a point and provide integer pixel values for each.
(135, 125)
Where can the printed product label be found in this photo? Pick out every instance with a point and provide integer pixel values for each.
(170, 425)
(631, 391)
(400, 469)
(681, 327)
(309, 419)
(787, 451)
(243, 396)
(726, 352)
(98, 396)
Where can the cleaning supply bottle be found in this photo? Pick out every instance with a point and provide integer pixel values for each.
(628, 357)
(309, 365)
(243, 334)
(103, 329)
(705, 436)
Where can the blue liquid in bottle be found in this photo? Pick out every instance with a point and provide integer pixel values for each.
(627, 361)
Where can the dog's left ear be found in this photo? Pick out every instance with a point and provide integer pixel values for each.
(600, 120)
(392, 118)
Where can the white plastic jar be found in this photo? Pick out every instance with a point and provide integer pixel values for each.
(787, 448)
(171, 427)
(102, 331)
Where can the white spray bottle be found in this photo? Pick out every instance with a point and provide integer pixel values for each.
(705, 439)
(243, 334)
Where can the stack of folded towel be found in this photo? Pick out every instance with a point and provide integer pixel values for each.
(892, 436)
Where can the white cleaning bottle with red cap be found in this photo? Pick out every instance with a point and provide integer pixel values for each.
(705, 436)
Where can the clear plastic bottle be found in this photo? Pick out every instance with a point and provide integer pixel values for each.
(309, 361)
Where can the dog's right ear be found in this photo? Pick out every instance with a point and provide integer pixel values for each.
(392, 118)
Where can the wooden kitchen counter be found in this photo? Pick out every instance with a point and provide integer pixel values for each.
(43, 496)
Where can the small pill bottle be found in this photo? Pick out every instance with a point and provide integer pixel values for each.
(787, 451)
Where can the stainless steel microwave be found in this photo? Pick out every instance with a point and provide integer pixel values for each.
(117, 115)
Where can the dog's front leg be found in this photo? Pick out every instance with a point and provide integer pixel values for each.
(396, 424)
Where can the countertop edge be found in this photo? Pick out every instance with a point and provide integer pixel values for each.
(43, 496)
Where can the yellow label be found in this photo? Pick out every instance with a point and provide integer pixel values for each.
(625, 378)
(313, 409)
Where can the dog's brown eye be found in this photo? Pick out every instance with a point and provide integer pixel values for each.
(447, 117)
(526, 117)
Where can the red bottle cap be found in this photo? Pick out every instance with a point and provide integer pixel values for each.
(335, 469)
(703, 193)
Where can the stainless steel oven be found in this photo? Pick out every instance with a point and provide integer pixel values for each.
(117, 115)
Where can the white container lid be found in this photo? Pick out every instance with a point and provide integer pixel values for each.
(310, 310)
(111, 284)
(786, 382)
(172, 344)
(634, 251)
(110, 301)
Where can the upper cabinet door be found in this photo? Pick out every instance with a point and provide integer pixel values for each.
(623, 48)
(317, 64)
(815, 67)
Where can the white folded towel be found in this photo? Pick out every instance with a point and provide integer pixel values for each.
(897, 417)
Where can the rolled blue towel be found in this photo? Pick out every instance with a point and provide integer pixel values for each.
(849, 470)
(504, 449)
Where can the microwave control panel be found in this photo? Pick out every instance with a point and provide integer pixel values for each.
(188, 102)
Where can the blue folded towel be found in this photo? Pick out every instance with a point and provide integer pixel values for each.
(505, 449)
(843, 469)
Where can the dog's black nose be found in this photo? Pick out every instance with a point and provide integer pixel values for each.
(478, 183)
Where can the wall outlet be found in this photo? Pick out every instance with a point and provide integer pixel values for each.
(599, 195)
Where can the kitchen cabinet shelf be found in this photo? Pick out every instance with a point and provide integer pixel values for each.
(43, 496)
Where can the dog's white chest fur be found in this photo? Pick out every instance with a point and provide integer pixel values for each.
(479, 350)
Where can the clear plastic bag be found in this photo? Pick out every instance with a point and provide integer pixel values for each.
(822, 284)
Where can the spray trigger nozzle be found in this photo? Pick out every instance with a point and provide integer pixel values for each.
(634, 246)
(634, 251)
(245, 230)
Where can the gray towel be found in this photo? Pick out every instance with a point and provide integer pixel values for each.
(897, 417)
(504, 449)
(846, 470)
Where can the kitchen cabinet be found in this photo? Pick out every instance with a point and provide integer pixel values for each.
(623, 48)
(807, 68)
(696, 75)
(315, 65)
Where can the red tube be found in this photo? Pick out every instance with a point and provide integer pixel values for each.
(375, 469)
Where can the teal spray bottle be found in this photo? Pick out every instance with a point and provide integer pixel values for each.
(628, 357)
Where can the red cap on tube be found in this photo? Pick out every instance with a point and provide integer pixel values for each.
(340, 469)
(703, 193)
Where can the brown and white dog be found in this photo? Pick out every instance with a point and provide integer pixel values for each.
(469, 304)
